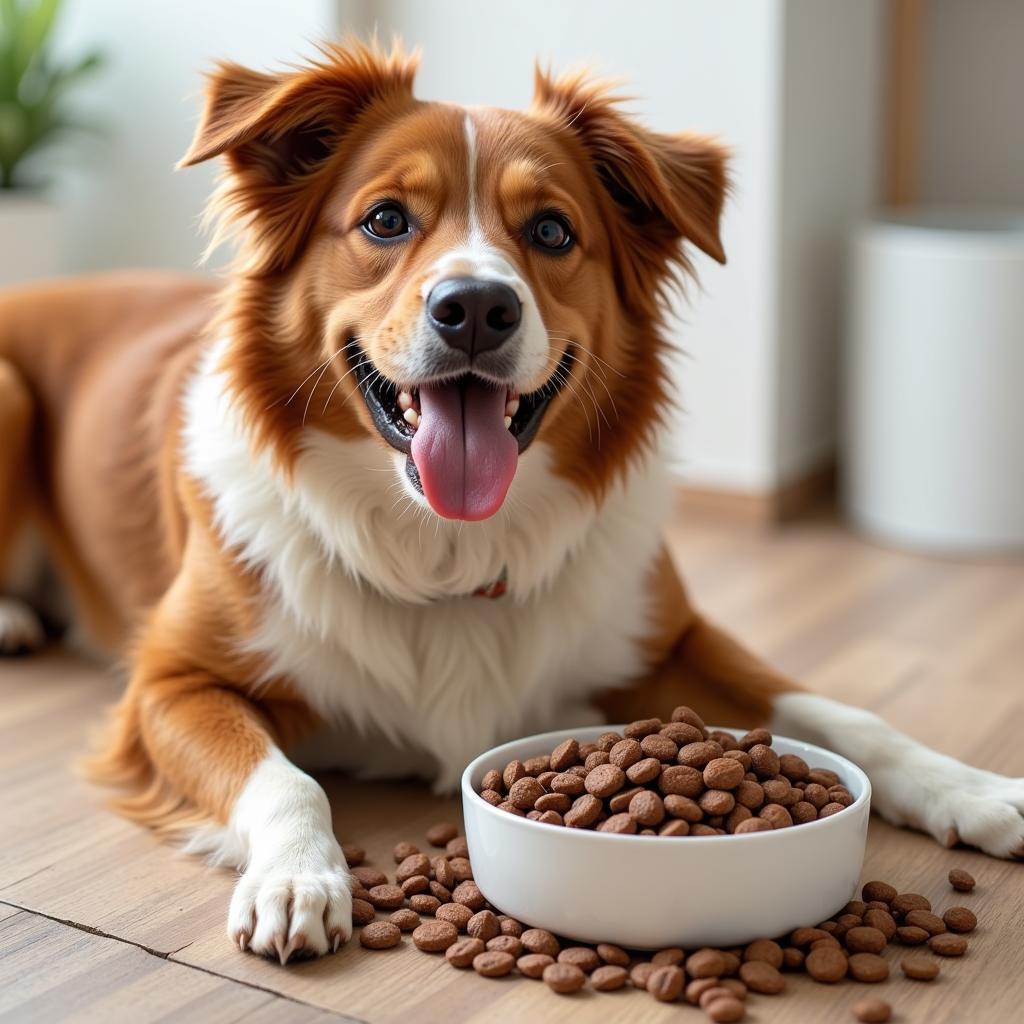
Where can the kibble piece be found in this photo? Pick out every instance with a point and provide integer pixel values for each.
(510, 926)
(681, 733)
(403, 850)
(354, 855)
(469, 895)
(920, 969)
(948, 944)
(826, 964)
(726, 1010)
(493, 964)
(761, 976)
(532, 964)
(604, 780)
(491, 780)
(563, 978)
(911, 936)
(695, 989)
(723, 773)
(454, 913)
(569, 783)
(483, 925)
(765, 950)
(565, 755)
(362, 912)
(865, 939)
(457, 847)
(776, 815)
(594, 759)
(752, 825)
(611, 954)
(805, 936)
(387, 897)
(625, 753)
(435, 936)
(905, 902)
(763, 761)
(931, 923)
(683, 807)
(794, 767)
(665, 983)
(961, 880)
(461, 868)
(463, 952)
(641, 728)
(644, 771)
(380, 935)
(609, 978)
(620, 802)
(817, 797)
(779, 791)
(672, 956)
(856, 907)
(492, 796)
(829, 809)
(802, 812)
(584, 812)
(624, 824)
(674, 828)
(506, 944)
(660, 747)
(960, 919)
(706, 963)
(607, 740)
(369, 877)
(872, 1011)
(869, 967)
(699, 755)
(557, 802)
(406, 920)
(639, 973)
(681, 780)
(539, 940)
(442, 833)
(881, 891)
(792, 959)
(716, 802)
(444, 874)
(580, 956)
(413, 864)
(423, 903)
(882, 920)
(525, 792)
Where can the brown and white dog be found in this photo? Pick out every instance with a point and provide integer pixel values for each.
(436, 375)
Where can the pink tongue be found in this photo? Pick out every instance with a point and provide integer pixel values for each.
(463, 452)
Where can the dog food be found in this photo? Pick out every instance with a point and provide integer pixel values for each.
(961, 880)
(846, 950)
(670, 779)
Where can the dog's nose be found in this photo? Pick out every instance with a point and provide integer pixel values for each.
(473, 314)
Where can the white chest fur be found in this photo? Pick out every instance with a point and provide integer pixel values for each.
(363, 611)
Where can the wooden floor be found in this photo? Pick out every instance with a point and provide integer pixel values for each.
(99, 922)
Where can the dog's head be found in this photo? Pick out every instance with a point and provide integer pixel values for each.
(457, 282)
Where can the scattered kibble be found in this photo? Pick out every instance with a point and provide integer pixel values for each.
(872, 1011)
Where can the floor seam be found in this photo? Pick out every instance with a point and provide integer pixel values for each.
(89, 929)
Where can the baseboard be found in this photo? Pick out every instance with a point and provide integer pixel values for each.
(760, 509)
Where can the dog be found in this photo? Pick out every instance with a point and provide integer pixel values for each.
(399, 486)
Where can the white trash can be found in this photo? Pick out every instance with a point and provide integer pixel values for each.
(934, 381)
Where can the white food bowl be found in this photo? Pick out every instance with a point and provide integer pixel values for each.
(646, 892)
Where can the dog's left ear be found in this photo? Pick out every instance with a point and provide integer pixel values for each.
(277, 130)
(668, 188)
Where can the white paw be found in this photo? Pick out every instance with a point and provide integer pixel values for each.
(954, 802)
(21, 632)
(284, 912)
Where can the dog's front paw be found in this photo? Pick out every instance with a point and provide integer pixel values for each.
(291, 912)
(955, 803)
(21, 632)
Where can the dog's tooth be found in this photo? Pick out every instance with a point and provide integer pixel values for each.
(508, 422)
(412, 417)
(404, 400)
(512, 407)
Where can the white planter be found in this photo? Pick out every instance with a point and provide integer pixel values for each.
(934, 414)
(29, 237)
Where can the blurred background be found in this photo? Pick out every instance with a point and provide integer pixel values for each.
(871, 312)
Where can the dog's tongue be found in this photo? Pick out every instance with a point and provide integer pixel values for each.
(464, 454)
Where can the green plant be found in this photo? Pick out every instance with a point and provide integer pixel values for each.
(32, 83)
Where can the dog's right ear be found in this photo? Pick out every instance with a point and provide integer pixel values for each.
(277, 130)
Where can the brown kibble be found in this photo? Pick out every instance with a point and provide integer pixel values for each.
(404, 850)
(604, 780)
(563, 978)
(723, 773)
(753, 825)
(492, 796)
(681, 780)
(665, 983)
(454, 913)
(792, 959)
(621, 823)
(856, 907)
(493, 963)
(826, 964)
(961, 880)
(491, 780)
(868, 967)
(779, 791)
(726, 1010)
(435, 936)
(442, 833)
(525, 792)
(763, 761)
(920, 969)
(642, 727)
(660, 747)
(461, 868)
(762, 976)
(423, 903)
(539, 940)
(506, 944)
(584, 812)
(960, 919)
(688, 715)
(905, 902)
(611, 954)
(625, 754)
(764, 950)
(829, 809)
(387, 897)
(644, 771)
(699, 755)
(872, 1011)
(510, 926)
(696, 989)
(469, 895)
(369, 877)
(580, 956)
(483, 925)
(716, 802)
(557, 802)
(802, 812)
(414, 864)
(380, 935)
(609, 978)
(362, 912)
(639, 974)
(594, 759)
(882, 920)
(619, 803)
(532, 964)
(776, 816)
(405, 919)
(911, 936)
(457, 847)
(881, 891)
(706, 963)
(565, 755)
(568, 783)
(463, 952)
(750, 794)
(671, 956)
(354, 855)
(931, 923)
(607, 740)
(948, 944)
(805, 936)
(817, 797)
(794, 767)
(864, 939)
(444, 874)
(681, 733)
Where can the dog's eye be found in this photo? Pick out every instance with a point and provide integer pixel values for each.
(551, 231)
(387, 221)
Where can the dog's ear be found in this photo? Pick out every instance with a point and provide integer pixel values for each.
(668, 189)
(277, 130)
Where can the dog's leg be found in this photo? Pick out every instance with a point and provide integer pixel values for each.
(196, 751)
(20, 628)
(699, 664)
